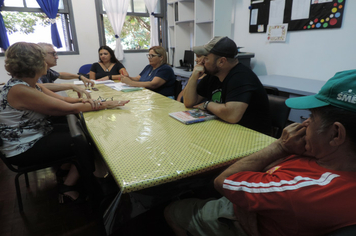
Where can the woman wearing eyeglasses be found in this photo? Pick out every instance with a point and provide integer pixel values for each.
(157, 76)
(108, 67)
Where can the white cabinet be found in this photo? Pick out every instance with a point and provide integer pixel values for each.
(195, 22)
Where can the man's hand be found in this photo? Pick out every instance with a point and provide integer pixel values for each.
(293, 139)
(199, 106)
(199, 69)
(80, 91)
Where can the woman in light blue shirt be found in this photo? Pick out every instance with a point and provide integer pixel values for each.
(157, 76)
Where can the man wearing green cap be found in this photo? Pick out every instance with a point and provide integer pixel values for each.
(231, 90)
(302, 184)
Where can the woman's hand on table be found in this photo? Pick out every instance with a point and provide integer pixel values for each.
(114, 104)
(125, 79)
(104, 78)
(80, 91)
(95, 105)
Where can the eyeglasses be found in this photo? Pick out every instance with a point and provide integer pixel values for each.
(53, 53)
(100, 99)
(152, 55)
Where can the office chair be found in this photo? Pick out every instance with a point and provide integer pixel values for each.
(77, 135)
(177, 88)
(271, 90)
(84, 69)
(279, 113)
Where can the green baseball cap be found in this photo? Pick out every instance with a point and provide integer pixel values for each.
(339, 91)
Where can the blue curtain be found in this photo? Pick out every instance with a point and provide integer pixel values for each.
(4, 41)
(50, 7)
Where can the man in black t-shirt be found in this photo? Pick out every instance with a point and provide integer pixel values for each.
(233, 92)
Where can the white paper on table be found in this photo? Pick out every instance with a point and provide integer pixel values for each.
(96, 82)
(120, 86)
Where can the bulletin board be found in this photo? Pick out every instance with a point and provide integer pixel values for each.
(323, 14)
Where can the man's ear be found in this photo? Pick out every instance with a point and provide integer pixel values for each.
(338, 134)
(222, 61)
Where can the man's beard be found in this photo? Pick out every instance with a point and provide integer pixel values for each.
(213, 71)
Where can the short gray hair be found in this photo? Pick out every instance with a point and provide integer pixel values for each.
(45, 45)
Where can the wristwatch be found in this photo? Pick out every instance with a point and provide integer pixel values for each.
(205, 105)
(79, 77)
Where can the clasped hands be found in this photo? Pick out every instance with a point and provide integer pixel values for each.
(97, 104)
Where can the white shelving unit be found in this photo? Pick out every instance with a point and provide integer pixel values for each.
(195, 22)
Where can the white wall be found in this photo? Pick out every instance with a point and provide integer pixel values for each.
(313, 54)
(88, 40)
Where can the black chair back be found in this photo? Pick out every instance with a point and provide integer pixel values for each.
(271, 90)
(279, 113)
(177, 88)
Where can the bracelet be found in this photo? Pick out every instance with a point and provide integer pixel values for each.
(79, 77)
(110, 77)
(205, 106)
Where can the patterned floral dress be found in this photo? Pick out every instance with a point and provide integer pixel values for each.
(20, 129)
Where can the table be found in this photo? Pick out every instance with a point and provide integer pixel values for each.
(292, 85)
(144, 147)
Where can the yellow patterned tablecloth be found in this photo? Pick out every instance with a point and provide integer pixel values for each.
(144, 147)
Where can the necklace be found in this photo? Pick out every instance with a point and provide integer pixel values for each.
(107, 68)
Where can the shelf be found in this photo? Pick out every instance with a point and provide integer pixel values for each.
(186, 21)
(195, 22)
(204, 22)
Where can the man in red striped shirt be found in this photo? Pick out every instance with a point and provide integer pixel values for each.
(302, 184)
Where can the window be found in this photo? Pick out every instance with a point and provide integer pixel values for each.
(135, 34)
(25, 21)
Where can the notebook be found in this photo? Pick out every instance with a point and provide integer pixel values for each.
(192, 116)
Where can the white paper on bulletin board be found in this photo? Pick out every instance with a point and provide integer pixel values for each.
(277, 33)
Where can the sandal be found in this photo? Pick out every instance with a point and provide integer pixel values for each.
(60, 175)
(63, 198)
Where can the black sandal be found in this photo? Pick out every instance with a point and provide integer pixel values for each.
(63, 198)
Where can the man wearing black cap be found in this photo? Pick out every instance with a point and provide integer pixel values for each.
(302, 184)
(231, 90)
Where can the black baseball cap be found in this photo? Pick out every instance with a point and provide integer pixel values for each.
(221, 46)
